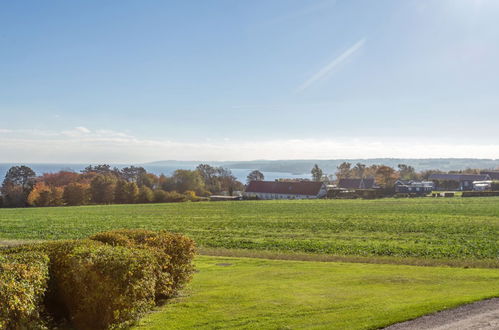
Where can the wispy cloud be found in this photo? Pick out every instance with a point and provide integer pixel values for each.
(324, 72)
(117, 147)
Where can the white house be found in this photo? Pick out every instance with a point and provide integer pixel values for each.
(285, 190)
(482, 185)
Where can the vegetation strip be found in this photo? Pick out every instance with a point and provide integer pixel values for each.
(273, 255)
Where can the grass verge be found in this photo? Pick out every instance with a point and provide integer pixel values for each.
(276, 294)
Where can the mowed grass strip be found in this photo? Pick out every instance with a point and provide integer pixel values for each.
(274, 294)
(454, 228)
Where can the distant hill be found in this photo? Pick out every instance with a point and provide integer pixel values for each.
(329, 166)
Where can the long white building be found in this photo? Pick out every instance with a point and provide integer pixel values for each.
(285, 190)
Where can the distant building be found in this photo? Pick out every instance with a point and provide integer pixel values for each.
(351, 184)
(494, 175)
(413, 187)
(285, 190)
(482, 185)
(456, 181)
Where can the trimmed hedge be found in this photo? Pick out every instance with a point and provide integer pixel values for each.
(480, 193)
(100, 286)
(23, 282)
(104, 283)
(174, 254)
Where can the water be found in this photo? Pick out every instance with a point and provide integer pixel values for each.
(240, 174)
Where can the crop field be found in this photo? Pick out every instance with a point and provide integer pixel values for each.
(454, 228)
(274, 294)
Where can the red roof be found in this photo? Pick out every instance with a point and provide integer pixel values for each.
(293, 188)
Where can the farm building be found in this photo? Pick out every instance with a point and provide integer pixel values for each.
(482, 185)
(285, 190)
(413, 187)
(494, 175)
(456, 181)
(349, 184)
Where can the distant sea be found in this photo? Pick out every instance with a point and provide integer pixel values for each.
(239, 173)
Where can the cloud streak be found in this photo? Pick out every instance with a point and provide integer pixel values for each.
(116, 147)
(327, 69)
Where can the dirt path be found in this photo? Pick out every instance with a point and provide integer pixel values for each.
(483, 315)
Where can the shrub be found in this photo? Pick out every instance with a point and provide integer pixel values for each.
(159, 196)
(174, 197)
(191, 196)
(146, 195)
(99, 286)
(23, 282)
(174, 253)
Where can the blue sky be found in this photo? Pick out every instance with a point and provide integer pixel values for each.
(133, 81)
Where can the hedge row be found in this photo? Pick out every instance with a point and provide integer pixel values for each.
(480, 193)
(105, 282)
(23, 282)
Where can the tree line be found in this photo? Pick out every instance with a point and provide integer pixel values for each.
(385, 176)
(102, 184)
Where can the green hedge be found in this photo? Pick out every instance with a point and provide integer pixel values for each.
(480, 193)
(101, 286)
(174, 254)
(104, 283)
(23, 282)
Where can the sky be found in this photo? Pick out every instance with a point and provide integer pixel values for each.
(137, 81)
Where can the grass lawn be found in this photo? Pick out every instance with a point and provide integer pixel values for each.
(272, 294)
(426, 228)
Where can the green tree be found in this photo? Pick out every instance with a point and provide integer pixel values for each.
(316, 173)
(255, 175)
(210, 177)
(134, 174)
(125, 192)
(184, 180)
(76, 194)
(17, 185)
(102, 189)
(146, 195)
(407, 172)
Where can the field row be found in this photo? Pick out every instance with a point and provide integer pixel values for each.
(421, 228)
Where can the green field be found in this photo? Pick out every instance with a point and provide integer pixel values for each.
(455, 228)
(271, 294)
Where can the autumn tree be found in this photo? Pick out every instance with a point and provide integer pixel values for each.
(386, 176)
(44, 195)
(77, 194)
(39, 195)
(343, 171)
(358, 171)
(59, 179)
(255, 175)
(228, 182)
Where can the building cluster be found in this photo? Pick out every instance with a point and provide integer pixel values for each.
(314, 190)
